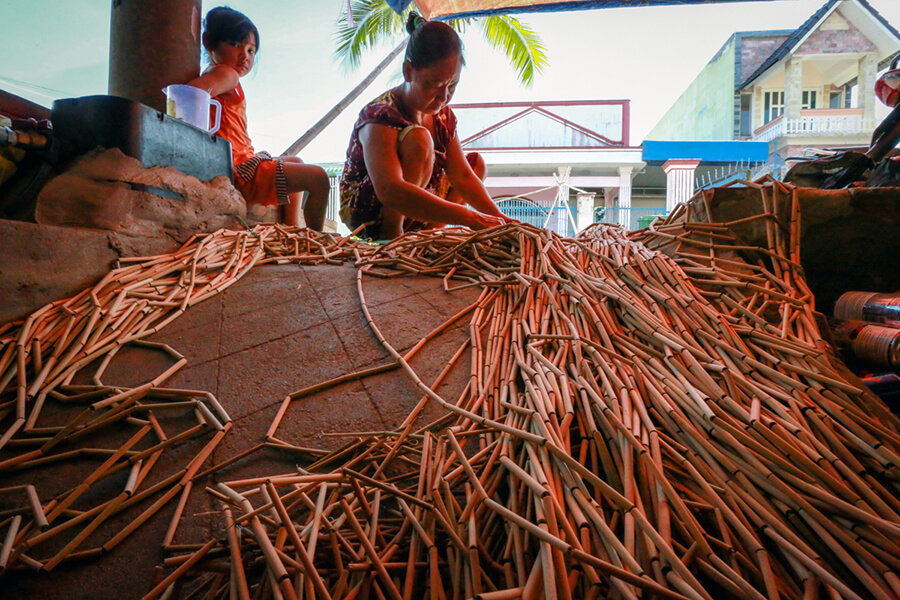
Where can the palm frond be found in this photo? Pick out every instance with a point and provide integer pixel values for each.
(375, 21)
(460, 25)
(522, 46)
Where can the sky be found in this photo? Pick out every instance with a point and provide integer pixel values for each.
(60, 49)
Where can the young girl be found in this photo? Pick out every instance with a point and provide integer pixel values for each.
(406, 169)
(232, 42)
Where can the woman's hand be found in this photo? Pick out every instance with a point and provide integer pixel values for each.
(479, 220)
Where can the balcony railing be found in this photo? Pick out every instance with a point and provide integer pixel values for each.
(813, 122)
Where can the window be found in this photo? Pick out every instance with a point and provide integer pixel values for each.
(773, 106)
(809, 98)
(774, 103)
(836, 99)
(746, 116)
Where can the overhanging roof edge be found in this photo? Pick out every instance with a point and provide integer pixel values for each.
(564, 5)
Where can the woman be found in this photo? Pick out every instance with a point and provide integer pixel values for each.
(405, 167)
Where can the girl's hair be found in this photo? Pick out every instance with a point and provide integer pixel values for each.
(430, 41)
(224, 24)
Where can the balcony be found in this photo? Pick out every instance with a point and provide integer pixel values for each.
(836, 122)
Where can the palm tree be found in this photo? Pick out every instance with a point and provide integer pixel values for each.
(374, 21)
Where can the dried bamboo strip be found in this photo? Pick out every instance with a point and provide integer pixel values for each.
(186, 566)
(299, 548)
(8, 540)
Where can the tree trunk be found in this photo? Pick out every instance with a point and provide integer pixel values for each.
(325, 121)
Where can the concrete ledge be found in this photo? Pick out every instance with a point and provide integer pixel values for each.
(43, 263)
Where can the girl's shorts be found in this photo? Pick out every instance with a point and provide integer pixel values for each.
(260, 179)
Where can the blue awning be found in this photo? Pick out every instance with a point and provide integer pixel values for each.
(707, 152)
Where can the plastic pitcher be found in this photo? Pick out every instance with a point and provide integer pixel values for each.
(191, 105)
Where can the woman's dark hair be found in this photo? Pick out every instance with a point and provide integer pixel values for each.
(430, 41)
(224, 24)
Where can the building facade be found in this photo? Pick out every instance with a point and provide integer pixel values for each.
(546, 159)
(812, 87)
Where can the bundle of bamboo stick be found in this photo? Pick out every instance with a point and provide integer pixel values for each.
(653, 416)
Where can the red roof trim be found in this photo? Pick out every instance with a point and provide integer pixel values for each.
(537, 104)
(539, 107)
(497, 125)
(16, 107)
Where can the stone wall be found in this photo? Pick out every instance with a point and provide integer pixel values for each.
(110, 191)
(836, 36)
(40, 264)
(755, 50)
(105, 206)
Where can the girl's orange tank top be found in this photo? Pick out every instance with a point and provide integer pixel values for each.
(234, 124)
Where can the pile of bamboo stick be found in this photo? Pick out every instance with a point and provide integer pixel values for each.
(634, 425)
(653, 416)
(80, 336)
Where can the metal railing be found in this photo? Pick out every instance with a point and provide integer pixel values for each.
(630, 218)
(524, 210)
(535, 214)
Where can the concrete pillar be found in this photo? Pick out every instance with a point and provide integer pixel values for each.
(625, 196)
(793, 88)
(152, 43)
(585, 205)
(758, 106)
(679, 181)
(610, 195)
(868, 72)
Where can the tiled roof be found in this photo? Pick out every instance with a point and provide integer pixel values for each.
(789, 44)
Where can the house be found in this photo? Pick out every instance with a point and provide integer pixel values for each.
(540, 155)
(794, 89)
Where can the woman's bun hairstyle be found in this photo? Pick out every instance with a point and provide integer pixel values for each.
(413, 21)
(430, 41)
